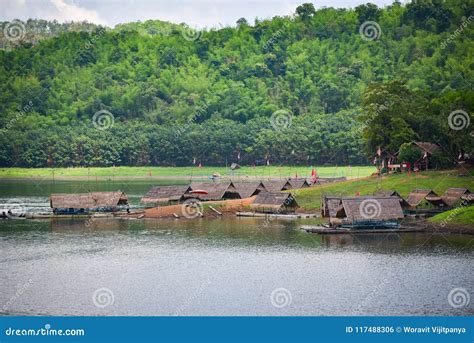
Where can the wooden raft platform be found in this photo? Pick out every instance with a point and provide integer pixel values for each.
(331, 231)
(277, 215)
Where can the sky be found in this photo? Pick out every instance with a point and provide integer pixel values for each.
(201, 13)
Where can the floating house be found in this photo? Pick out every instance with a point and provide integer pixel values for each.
(166, 195)
(249, 189)
(87, 202)
(215, 190)
(274, 186)
(425, 200)
(274, 203)
(299, 183)
(392, 193)
(330, 206)
(369, 212)
(457, 196)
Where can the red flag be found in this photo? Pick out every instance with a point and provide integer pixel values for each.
(314, 176)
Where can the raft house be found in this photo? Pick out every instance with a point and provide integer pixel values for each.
(330, 206)
(249, 189)
(370, 212)
(274, 186)
(458, 197)
(83, 203)
(166, 195)
(281, 203)
(211, 191)
(391, 193)
(299, 183)
(425, 201)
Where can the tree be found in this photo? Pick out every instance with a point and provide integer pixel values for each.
(305, 11)
(368, 12)
(242, 22)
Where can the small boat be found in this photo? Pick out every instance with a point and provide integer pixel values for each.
(198, 191)
(367, 225)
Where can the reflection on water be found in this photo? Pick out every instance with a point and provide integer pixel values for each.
(227, 266)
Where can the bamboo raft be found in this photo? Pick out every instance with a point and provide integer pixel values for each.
(277, 215)
(331, 231)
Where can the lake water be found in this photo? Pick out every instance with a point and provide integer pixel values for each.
(228, 266)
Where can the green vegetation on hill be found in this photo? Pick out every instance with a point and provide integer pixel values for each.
(312, 88)
(402, 183)
(461, 215)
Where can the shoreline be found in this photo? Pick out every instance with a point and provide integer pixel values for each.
(452, 228)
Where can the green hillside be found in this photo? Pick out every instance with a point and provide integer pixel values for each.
(462, 215)
(318, 87)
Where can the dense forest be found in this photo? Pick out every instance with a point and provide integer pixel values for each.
(325, 86)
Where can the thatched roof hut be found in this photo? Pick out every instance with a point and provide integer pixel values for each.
(299, 183)
(248, 189)
(277, 185)
(165, 194)
(424, 198)
(360, 209)
(216, 190)
(274, 202)
(453, 196)
(330, 206)
(387, 193)
(392, 193)
(427, 147)
(91, 200)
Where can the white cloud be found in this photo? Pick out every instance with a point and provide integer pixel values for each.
(206, 13)
(61, 10)
(69, 11)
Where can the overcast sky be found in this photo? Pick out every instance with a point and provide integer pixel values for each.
(205, 13)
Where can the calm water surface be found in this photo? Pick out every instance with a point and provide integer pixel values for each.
(225, 266)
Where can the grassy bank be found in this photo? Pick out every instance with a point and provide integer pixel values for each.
(183, 172)
(457, 216)
(438, 181)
